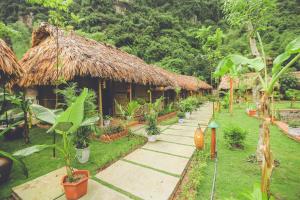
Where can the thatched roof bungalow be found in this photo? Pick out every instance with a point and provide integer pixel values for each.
(81, 57)
(95, 65)
(10, 69)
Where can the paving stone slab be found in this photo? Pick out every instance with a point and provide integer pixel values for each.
(137, 127)
(176, 139)
(97, 191)
(184, 133)
(182, 127)
(46, 187)
(160, 161)
(141, 132)
(142, 182)
(171, 148)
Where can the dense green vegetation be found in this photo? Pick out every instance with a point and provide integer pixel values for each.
(236, 175)
(43, 162)
(189, 37)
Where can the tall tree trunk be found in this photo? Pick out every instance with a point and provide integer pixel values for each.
(252, 41)
(26, 128)
(231, 96)
(267, 159)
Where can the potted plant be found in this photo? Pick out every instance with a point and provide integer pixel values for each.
(186, 107)
(90, 115)
(107, 120)
(66, 124)
(81, 141)
(152, 128)
(251, 111)
(6, 162)
(151, 119)
(180, 116)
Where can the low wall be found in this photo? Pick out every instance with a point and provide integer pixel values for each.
(289, 114)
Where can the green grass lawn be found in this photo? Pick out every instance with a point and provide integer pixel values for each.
(286, 105)
(235, 175)
(169, 121)
(43, 162)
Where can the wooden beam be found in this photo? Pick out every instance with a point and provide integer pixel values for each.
(100, 106)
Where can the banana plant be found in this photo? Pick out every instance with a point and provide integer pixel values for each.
(281, 64)
(65, 123)
(228, 67)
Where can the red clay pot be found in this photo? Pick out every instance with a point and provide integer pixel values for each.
(252, 113)
(74, 191)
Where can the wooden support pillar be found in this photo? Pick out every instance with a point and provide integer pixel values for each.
(100, 106)
(150, 95)
(130, 92)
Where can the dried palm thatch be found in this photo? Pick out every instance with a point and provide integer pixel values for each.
(10, 69)
(247, 79)
(192, 83)
(81, 57)
(189, 83)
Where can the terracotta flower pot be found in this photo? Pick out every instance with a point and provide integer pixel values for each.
(199, 138)
(252, 113)
(5, 169)
(74, 191)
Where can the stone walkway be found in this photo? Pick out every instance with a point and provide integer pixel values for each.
(150, 172)
(154, 170)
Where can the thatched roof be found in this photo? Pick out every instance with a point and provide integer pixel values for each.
(190, 83)
(247, 79)
(82, 57)
(9, 66)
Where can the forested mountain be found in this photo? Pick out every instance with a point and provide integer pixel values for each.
(186, 36)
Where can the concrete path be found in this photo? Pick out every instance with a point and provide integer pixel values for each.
(151, 172)
(154, 170)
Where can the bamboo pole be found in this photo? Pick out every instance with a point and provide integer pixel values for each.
(100, 106)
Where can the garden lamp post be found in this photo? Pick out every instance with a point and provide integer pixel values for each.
(213, 126)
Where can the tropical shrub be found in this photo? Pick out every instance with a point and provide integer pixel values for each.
(235, 136)
(293, 95)
(112, 129)
(65, 124)
(287, 81)
(180, 115)
(294, 123)
(69, 95)
(151, 117)
(167, 109)
(185, 106)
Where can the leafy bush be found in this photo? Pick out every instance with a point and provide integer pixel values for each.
(112, 129)
(225, 101)
(168, 109)
(180, 115)
(185, 106)
(151, 117)
(294, 123)
(235, 136)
